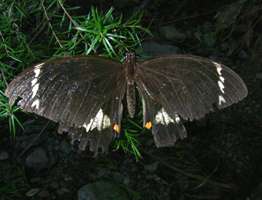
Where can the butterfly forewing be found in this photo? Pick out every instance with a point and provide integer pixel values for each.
(78, 92)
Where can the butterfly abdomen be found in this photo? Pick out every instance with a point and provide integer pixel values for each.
(131, 91)
(131, 99)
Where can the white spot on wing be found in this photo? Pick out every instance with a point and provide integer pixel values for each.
(177, 118)
(220, 83)
(221, 100)
(100, 121)
(33, 82)
(106, 122)
(38, 66)
(36, 104)
(88, 126)
(35, 89)
(37, 71)
(221, 86)
(146, 90)
(162, 117)
(222, 79)
(218, 67)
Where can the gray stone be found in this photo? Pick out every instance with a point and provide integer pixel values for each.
(4, 155)
(54, 185)
(257, 193)
(44, 194)
(151, 48)
(102, 190)
(62, 191)
(243, 54)
(65, 147)
(37, 159)
(259, 76)
(171, 33)
(151, 167)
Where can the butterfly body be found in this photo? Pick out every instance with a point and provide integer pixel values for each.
(84, 94)
(130, 66)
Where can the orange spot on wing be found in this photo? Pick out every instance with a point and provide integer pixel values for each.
(116, 128)
(148, 125)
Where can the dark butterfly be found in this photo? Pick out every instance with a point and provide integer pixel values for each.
(84, 94)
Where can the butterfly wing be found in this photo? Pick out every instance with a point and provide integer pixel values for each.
(187, 87)
(77, 92)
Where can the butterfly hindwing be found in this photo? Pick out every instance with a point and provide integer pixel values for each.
(165, 129)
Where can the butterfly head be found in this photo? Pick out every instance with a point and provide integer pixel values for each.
(130, 57)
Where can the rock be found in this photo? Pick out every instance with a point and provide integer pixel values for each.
(259, 76)
(257, 193)
(4, 155)
(62, 191)
(44, 194)
(67, 178)
(102, 190)
(54, 185)
(171, 33)
(32, 192)
(25, 141)
(243, 54)
(152, 48)
(37, 159)
(65, 147)
(151, 167)
(35, 180)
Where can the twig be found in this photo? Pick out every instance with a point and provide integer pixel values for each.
(35, 139)
(67, 14)
(39, 29)
(4, 79)
(70, 18)
(50, 25)
(5, 46)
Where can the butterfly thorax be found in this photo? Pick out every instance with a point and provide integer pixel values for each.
(129, 64)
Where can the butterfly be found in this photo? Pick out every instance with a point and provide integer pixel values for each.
(85, 94)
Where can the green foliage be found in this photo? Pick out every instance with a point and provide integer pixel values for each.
(13, 49)
(8, 111)
(129, 144)
(128, 141)
(103, 33)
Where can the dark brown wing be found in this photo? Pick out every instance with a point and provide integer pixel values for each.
(187, 87)
(74, 91)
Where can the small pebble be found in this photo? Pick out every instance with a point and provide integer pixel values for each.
(44, 194)
(259, 76)
(4, 155)
(54, 185)
(62, 191)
